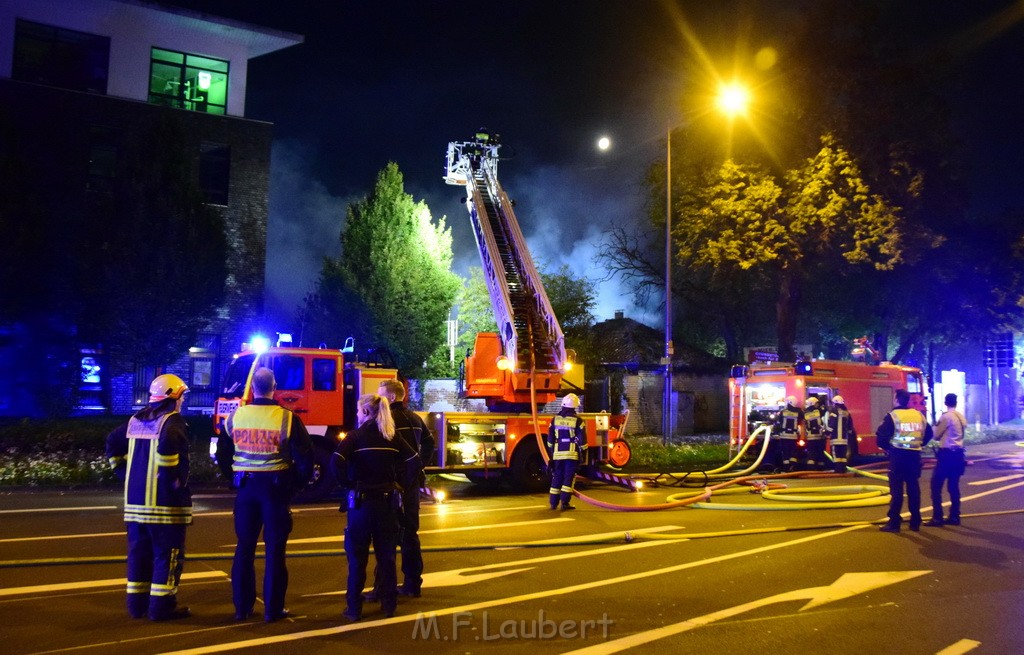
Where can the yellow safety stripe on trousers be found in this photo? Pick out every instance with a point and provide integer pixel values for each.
(138, 587)
(157, 514)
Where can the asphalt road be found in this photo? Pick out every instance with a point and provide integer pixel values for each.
(505, 574)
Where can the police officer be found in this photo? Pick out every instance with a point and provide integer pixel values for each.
(814, 434)
(787, 429)
(273, 460)
(411, 429)
(374, 466)
(951, 462)
(839, 428)
(567, 447)
(150, 452)
(903, 432)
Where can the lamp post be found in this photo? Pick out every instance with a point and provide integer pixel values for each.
(733, 98)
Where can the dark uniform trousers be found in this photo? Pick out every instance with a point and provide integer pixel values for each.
(374, 521)
(156, 558)
(950, 464)
(412, 554)
(262, 503)
(563, 475)
(904, 470)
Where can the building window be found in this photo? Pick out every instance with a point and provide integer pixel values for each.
(92, 379)
(203, 369)
(60, 57)
(185, 81)
(215, 172)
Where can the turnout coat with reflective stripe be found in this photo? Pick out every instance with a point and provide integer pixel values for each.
(153, 447)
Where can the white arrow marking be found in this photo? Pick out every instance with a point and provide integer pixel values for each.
(848, 584)
(96, 584)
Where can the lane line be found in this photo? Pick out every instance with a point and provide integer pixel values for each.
(58, 509)
(608, 535)
(93, 584)
(1005, 478)
(64, 536)
(489, 526)
(962, 646)
(546, 594)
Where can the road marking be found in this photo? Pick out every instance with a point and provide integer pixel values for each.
(441, 511)
(607, 535)
(848, 584)
(459, 577)
(64, 536)
(489, 526)
(962, 646)
(546, 594)
(58, 509)
(94, 584)
(1005, 478)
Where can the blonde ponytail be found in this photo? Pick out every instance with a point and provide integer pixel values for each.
(379, 409)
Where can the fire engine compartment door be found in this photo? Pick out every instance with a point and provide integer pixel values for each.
(474, 443)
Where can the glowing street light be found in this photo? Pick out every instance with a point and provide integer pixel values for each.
(733, 100)
(604, 143)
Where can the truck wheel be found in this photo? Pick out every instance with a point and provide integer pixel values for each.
(528, 471)
(619, 453)
(322, 483)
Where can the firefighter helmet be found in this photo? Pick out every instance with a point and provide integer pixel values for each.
(791, 400)
(810, 402)
(838, 400)
(166, 386)
(571, 400)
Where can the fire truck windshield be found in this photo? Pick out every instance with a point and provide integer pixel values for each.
(914, 384)
(234, 379)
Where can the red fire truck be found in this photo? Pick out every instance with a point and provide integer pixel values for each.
(758, 392)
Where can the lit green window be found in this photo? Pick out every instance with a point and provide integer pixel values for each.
(178, 79)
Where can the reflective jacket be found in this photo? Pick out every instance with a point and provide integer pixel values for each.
(839, 425)
(787, 423)
(812, 425)
(567, 436)
(268, 437)
(152, 452)
(908, 429)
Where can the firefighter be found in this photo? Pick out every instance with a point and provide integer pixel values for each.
(950, 464)
(567, 447)
(374, 467)
(411, 428)
(273, 460)
(902, 433)
(150, 453)
(840, 431)
(814, 434)
(787, 429)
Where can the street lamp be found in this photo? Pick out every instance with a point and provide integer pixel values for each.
(732, 100)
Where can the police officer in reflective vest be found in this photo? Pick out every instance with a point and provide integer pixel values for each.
(814, 434)
(273, 460)
(787, 431)
(903, 432)
(567, 447)
(839, 428)
(375, 467)
(151, 453)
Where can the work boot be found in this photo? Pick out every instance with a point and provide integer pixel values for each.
(952, 521)
(889, 527)
(566, 508)
(276, 616)
(351, 615)
(172, 615)
(934, 523)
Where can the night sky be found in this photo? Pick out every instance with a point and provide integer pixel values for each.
(379, 81)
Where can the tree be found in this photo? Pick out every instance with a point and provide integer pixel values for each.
(822, 216)
(392, 284)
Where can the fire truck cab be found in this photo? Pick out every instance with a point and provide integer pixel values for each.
(758, 392)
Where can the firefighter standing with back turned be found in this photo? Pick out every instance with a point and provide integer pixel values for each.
(566, 446)
(787, 427)
(903, 432)
(151, 452)
(273, 459)
(839, 428)
(814, 434)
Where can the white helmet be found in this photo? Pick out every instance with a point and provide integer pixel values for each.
(791, 400)
(571, 400)
(838, 400)
(166, 386)
(810, 402)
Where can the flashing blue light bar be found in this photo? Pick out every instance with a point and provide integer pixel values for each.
(260, 344)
